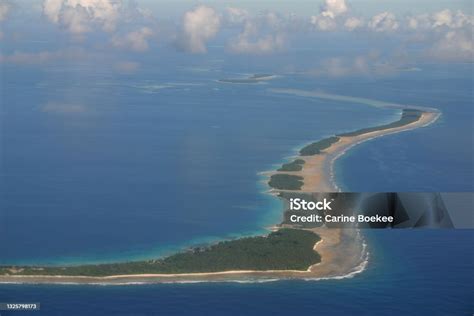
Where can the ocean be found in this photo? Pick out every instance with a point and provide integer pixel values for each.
(143, 168)
(100, 168)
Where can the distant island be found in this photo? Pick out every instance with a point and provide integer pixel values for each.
(256, 78)
(289, 251)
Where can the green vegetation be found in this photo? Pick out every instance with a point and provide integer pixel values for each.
(408, 116)
(317, 147)
(286, 249)
(296, 165)
(285, 182)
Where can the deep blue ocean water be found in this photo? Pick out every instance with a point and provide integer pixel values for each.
(143, 166)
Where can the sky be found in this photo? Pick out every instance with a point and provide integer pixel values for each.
(390, 35)
(302, 7)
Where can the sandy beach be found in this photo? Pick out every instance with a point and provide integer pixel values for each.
(343, 251)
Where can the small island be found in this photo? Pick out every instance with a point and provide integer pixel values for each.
(256, 78)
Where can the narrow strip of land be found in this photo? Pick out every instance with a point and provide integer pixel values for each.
(316, 173)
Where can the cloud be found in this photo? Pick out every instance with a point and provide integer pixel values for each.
(5, 8)
(324, 23)
(422, 21)
(199, 26)
(384, 22)
(261, 35)
(446, 35)
(52, 9)
(334, 8)
(80, 16)
(445, 19)
(455, 46)
(63, 108)
(246, 43)
(235, 16)
(353, 23)
(327, 19)
(136, 40)
(449, 19)
(336, 15)
(127, 67)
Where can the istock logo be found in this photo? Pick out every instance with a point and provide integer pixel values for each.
(300, 204)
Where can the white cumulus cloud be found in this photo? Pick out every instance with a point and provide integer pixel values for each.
(331, 10)
(199, 26)
(353, 23)
(79, 16)
(445, 19)
(384, 22)
(323, 23)
(334, 8)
